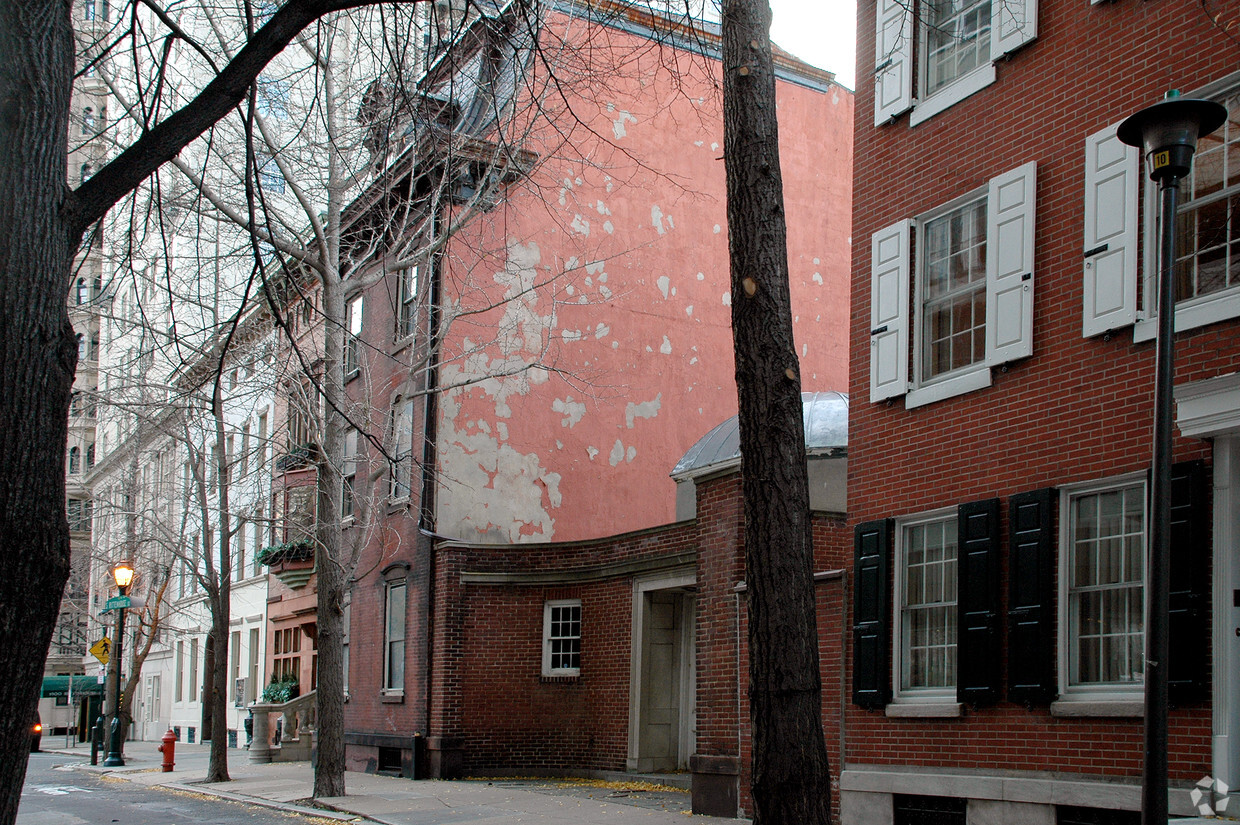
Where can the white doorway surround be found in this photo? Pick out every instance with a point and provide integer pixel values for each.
(1211, 409)
(662, 675)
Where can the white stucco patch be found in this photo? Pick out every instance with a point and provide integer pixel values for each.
(592, 452)
(601, 331)
(701, 276)
(689, 310)
(663, 283)
(656, 219)
(605, 291)
(609, 227)
(581, 225)
(645, 409)
(818, 278)
(618, 126)
(727, 299)
(630, 454)
(666, 349)
(718, 229)
(617, 453)
(601, 208)
(573, 411)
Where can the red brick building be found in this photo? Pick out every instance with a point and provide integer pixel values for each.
(1002, 379)
(529, 593)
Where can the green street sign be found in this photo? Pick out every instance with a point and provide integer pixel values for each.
(116, 603)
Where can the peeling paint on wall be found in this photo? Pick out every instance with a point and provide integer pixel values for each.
(581, 225)
(646, 409)
(666, 349)
(489, 490)
(573, 411)
(663, 283)
(618, 127)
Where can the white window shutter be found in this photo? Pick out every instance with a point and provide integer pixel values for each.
(889, 315)
(893, 59)
(1009, 265)
(1013, 23)
(1112, 187)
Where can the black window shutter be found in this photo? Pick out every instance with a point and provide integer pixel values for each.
(872, 614)
(1189, 585)
(1032, 677)
(977, 602)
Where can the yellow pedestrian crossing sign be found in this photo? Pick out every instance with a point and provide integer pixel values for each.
(100, 650)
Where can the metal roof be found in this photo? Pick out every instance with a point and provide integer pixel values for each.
(824, 414)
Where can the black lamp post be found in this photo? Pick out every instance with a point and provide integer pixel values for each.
(1168, 132)
(122, 573)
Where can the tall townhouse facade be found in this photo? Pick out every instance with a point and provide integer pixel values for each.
(1002, 375)
(528, 594)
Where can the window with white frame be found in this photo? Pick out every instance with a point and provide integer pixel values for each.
(353, 337)
(956, 42)
(270, 178)
(926, 617)
(1207, 267)
(348, 493)
(562, 638)
(402, 450)
(972, 283)
(1103, 594)
(406, 311)
(394, 635)
(1208, 221)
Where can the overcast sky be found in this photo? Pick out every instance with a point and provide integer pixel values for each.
(820, 32)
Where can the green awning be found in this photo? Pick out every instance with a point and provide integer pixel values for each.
(54, 686)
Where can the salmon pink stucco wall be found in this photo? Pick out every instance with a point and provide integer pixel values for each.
(607, 351)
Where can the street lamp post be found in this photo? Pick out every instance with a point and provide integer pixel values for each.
(1168, 132)
(122, 573)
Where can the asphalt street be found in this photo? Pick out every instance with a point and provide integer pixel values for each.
(57, 794)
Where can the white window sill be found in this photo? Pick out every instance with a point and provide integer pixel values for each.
(1192, 314)
(953, 93)
(925, 710)
(1129, 708)
(976, 379)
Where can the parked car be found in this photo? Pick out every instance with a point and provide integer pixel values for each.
(36, 734)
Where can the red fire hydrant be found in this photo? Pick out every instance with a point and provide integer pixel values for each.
(168, 749)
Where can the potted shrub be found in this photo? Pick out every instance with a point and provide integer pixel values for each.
(281, 691)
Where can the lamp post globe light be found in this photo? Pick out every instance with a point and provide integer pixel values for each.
(122, 574)
(1167, 132)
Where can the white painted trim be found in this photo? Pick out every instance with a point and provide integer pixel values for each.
(1191, 314)
(953, 93)
(1226, 616)
(921, 697)
(1089, 694)
(950, 387)
(642, 586)
(924, 710)
(1209, 408)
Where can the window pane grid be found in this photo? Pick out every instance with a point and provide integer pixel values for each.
(1208, 224)
(1106, 594)
(928, 605)
(954, 290)
(564, 637)
(957, 40)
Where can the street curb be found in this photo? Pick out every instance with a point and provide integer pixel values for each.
(206, 790)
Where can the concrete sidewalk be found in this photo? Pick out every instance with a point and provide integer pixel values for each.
(396, 801)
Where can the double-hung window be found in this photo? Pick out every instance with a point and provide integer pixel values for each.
(353, 337)
(1207, 266)
(394, 635)
(348, 471)
(406, 311)
(971, 281)
(562, 638)
(948, 47)
(926, 604)
(402, 450)
(1102, 591)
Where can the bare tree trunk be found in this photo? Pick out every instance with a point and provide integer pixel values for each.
(38, 355)
(791, 782)
(329, 771)
(220, 599)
